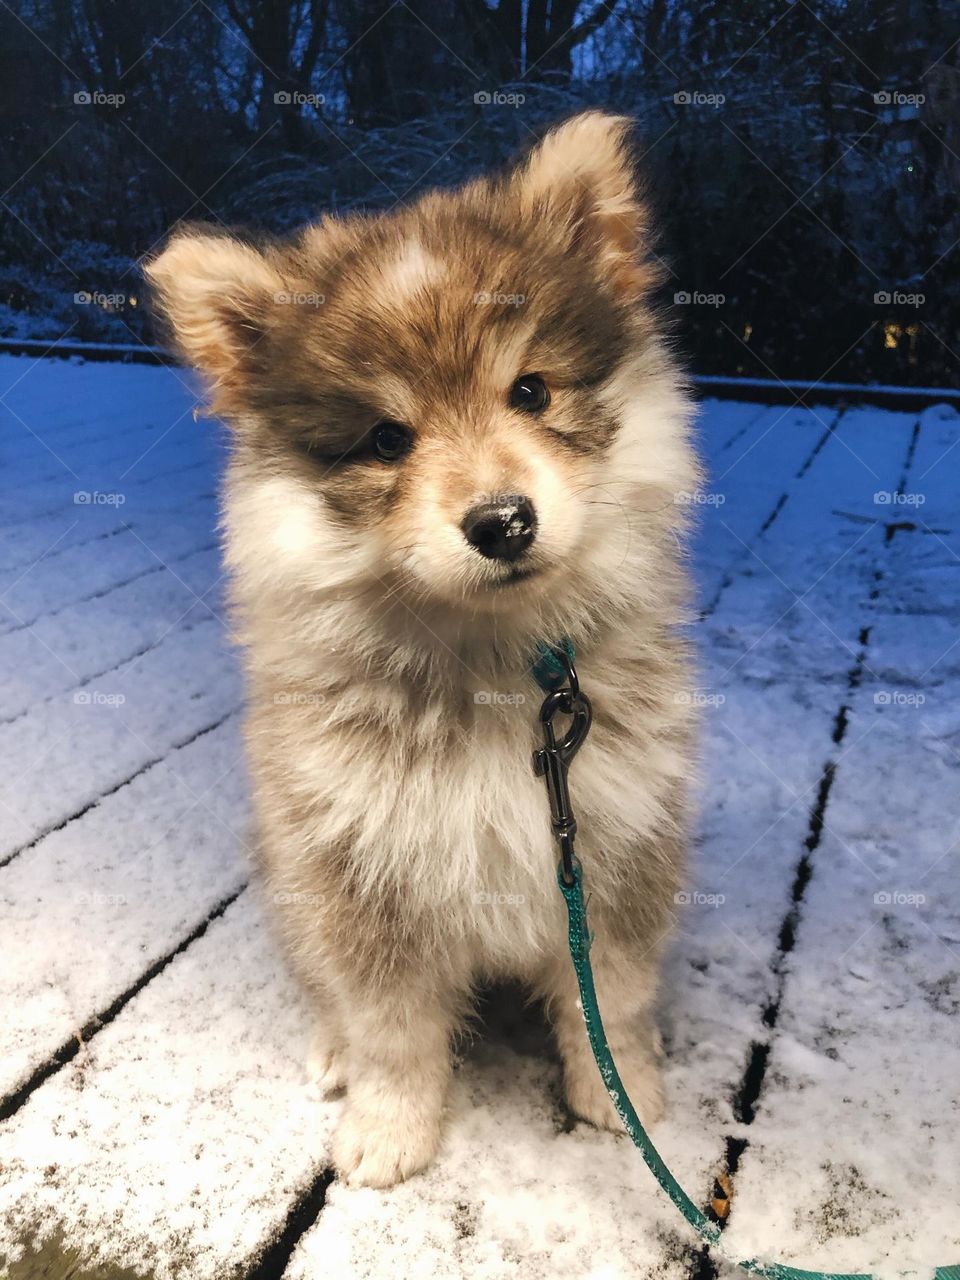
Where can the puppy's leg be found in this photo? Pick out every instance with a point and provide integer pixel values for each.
(327, 1046)
(326, 1056)
(398, 1066)
(626, 988)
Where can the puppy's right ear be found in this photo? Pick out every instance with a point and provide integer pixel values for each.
(217, 295)
(580, 184)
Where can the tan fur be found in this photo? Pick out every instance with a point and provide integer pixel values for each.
(405, 840)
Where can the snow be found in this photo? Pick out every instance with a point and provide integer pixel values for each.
(869, 1029)
(156, 1110)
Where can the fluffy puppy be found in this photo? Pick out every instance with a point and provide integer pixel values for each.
(456, 431)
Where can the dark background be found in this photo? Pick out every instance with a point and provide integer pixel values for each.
(805, 156)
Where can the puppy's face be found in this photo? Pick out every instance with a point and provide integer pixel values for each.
(429, 399)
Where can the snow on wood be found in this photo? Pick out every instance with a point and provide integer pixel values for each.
(177, 1135)
(853, 1149)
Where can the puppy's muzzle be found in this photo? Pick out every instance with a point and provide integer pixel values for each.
(501, 531)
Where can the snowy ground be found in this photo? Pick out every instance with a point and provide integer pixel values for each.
(155, 1116)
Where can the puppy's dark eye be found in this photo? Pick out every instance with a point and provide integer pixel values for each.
(529, 394)
(391, 440)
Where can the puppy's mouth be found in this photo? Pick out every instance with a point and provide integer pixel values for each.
(513, 576)
(519, 573)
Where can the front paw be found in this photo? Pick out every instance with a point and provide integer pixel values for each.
(380, 1150)
(588, 1098)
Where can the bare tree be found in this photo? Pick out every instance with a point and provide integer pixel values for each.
(519, 37)
(285, 38)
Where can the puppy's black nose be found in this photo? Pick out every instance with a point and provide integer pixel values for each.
(501, 530)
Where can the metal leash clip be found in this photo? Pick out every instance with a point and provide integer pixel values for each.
(553, 759)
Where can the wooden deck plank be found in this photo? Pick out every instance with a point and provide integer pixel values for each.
(749, 482)
(90, 641)
(115, 889)
(64, 754)
(168, 1159)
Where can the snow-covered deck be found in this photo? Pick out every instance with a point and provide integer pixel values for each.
(155, 1114)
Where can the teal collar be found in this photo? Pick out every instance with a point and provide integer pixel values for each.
(546, 668)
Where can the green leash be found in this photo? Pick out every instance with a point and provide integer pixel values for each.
(554, 671)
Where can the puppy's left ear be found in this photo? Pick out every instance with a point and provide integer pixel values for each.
(580, 183)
